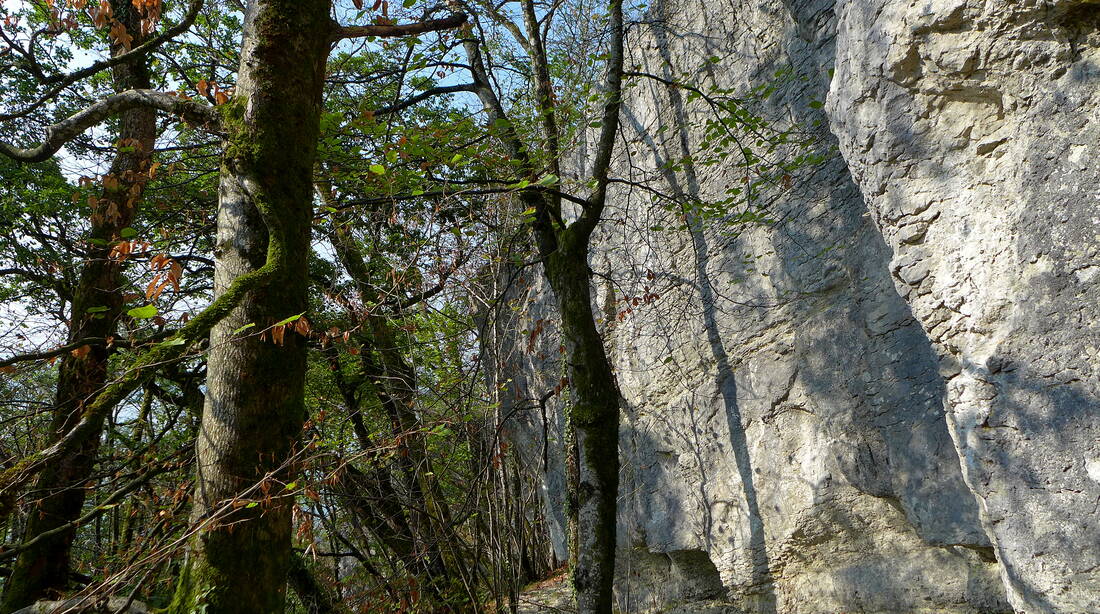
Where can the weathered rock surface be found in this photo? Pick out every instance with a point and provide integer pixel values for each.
(972, 129)
(885, 401)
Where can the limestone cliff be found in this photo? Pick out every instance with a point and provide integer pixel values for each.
(886, 399)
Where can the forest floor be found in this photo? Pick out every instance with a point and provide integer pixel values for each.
(554, 594)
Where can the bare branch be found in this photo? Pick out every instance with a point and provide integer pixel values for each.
(141, 477)
(92, 341)
(64, 131)
(340, 32)
(613, 90)
(435, 91)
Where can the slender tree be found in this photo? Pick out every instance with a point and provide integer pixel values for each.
(562, 245)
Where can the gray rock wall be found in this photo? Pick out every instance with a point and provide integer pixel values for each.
(885, 400)
(972, 129)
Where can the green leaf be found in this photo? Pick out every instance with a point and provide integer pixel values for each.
(99, 309)
(377, 169)
(290, 319)
(456, 159)
(172, 342)
(127, 233)
(291, 486)
(550, 179)
(408, 3)
(816, 104)
(251, 505)
(143, 313)
(244, 328)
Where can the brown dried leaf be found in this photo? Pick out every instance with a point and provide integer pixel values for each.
(175, 274)
(151, 289)
(302, 327)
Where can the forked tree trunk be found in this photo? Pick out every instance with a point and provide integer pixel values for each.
(594, 416)
(594, 403)
(43, 570)
(239, 560)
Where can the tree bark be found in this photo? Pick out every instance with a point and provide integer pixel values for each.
(314, 597)
(594, 416)
(43, 570)
(240, 558)
(563, 247)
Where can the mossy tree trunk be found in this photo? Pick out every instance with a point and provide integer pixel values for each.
(563, 247)
(594, 418)
(239, 560)
(44, 569)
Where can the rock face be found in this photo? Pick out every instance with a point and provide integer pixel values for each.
(972, 128)
(885, 399)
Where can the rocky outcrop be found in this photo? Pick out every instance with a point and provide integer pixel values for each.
(884, 397)
(971, 128)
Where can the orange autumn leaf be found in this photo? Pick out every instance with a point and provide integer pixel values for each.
(155, 287)
(302, 327)
(175, 273)
(121, 36)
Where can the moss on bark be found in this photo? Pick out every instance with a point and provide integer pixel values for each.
(239, 559)
(594, 416)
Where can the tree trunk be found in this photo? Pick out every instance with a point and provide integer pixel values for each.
(43, 570)
(315, 598)
(594, 414)
(239, 560)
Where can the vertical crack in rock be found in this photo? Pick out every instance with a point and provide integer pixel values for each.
(974, 156)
